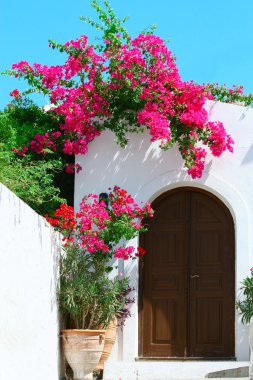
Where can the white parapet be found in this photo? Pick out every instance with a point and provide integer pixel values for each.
(28, 276)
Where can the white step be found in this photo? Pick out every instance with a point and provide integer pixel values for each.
(172, 370)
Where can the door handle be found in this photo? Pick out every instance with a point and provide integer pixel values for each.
(194, 276)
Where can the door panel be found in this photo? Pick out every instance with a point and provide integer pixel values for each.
(164, 297)
(165, 294)
(187, 278)
(211, 296)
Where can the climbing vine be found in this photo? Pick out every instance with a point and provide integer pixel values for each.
(124, 84)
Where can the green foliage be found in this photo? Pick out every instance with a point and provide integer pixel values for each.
(32, 181)
(235, 95)
(21, 121)
(245, 303)
(109, 24)
(37, 180)
(86, 295)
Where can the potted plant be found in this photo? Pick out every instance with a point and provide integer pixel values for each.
(244, 306)
(89, 300)
(90, 296)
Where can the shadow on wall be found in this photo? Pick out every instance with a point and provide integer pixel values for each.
(131, 167)
(248, 157)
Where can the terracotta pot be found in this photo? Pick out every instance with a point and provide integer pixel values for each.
(83, 349)
(110, 337)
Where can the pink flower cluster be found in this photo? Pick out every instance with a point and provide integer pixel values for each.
(99, 227)
(16, 94)
(198, 159)
(91, 86)
(124, 253)
(71, 168)
(21, 152)
(236, 89)
(218, 138)
(42, 142)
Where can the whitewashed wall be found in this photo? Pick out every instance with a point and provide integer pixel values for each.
(28, 274)
(146, 172)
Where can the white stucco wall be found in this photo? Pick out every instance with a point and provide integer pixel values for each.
(146, 172)
(28, 274)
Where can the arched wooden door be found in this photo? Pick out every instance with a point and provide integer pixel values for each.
(187, 289)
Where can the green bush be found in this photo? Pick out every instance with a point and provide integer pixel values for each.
(87, 297)
(245, 302)
(39, 180)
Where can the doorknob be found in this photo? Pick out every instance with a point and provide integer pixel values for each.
(194, 276)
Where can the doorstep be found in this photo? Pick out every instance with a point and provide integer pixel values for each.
(174, 370)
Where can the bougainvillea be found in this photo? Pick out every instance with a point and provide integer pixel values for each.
(235, 95)
(103, 227)
(124, 85)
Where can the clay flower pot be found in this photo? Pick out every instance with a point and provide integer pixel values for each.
(110, 337)
(83, 349)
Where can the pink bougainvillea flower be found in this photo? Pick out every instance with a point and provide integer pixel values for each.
(101, 229)
(128, 81)
(16, 94)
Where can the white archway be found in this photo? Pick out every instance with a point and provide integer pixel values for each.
(238, 209)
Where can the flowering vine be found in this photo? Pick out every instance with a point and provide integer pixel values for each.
(103, 227)
(233, 95)
(124, 84)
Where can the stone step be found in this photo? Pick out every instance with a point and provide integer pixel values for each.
(169, 378)
(175, 370)
(230, 373)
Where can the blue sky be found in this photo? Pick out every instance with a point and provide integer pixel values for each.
(213, 41)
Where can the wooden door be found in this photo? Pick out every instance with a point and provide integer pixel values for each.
(187, 278)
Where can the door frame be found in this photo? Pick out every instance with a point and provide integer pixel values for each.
(141, 269)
